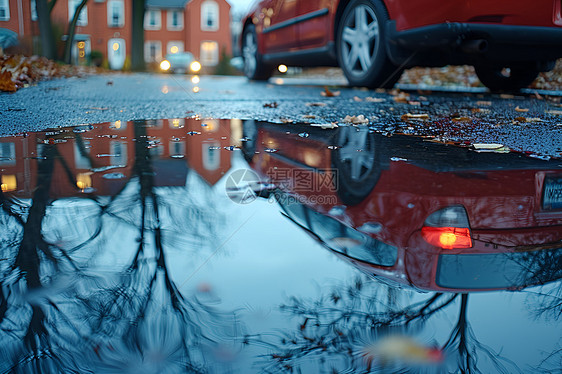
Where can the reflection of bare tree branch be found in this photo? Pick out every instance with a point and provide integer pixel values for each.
(334, 330)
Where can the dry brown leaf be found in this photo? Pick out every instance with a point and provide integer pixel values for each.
(460, 119)
(356, 119)
(402, 98)
(315, 104)
(487, 103)
(357, 99)
(270, 105)
(415, 117)
(555, 112)
(517, 109)
(374, 99)
(520, 119)
(328, 93)
(308, 116)
(6, 83)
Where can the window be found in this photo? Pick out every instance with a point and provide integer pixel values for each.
(209, 53)
(174, 46)
(115, 13)
(83, 17)
(33, 10)
(209, 16)
(7, 153)
(152, 20)
(4, 10)
(175, 20)
(152, 51)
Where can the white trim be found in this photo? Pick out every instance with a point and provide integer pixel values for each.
(170, 14)
(5, 6)
(158, 19)
(120, 7)
(210, 16)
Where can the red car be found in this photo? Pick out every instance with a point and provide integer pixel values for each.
(508, 42)
(434, 216)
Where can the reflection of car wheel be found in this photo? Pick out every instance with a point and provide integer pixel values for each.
(357, 163)
(361, 45)
(497, 78)
(250, 134)
(254, 67)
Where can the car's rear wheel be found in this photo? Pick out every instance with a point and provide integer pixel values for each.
(357, 162)
(498, 78)
(361, 45)
(254, 67)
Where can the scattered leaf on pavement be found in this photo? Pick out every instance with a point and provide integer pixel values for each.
(356, 119)
(315, 104)
(415, 117)
(328, 93)
(270, 105)
(517, 109)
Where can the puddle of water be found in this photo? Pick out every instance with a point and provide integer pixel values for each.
(238, 246)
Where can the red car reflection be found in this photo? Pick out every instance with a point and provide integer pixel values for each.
(435, 216)
(508, 42)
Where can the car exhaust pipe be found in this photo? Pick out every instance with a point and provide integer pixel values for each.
(475, 46)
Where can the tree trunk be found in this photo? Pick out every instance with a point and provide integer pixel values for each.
(48, 48)
(137, 47)
(71, 32)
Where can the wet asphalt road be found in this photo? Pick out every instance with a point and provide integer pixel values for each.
(526, 122)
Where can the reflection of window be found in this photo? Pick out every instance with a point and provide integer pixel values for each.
(7, 154)
(4, 10)
(175, 20)
(9, 182)
(211, 155)
(33, 10)
(118, 151)
(152, 20)
(83, 17)
(81, 159)
(209, 16)
(154, 123)
(177, 123)
(177, 149)
(209, 53)
(174, 46)
(115, 13)
(152, 51)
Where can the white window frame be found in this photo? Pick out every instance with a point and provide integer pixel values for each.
(83, 17)
(170, 20)
(210, 7)
(5, 5)
(158, 19)
(214, 60)
(147, 56)
(177, 43)
(33, 6)
(121, 10)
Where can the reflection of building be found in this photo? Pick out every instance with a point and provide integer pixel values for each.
(198, 26)
(102, 158)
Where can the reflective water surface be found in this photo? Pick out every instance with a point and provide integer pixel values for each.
(228, 246)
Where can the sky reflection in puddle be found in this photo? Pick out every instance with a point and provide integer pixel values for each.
(122, 251)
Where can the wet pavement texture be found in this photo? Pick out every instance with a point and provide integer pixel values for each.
(231, 246)
(528, 121)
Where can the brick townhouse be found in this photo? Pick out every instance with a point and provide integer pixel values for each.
(171, 26)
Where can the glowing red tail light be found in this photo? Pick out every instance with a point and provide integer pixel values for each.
(448, 228)
(447, 237)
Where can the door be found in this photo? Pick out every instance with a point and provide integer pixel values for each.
(279, 31)
(314, 28)
(116, 53)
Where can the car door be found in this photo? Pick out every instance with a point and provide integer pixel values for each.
(279, 32)
(314, 26)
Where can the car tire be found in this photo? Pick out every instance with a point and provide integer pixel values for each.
(357, 163)
(361, 45)
(254, 67)
(497, 79)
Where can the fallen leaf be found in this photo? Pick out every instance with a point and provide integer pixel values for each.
(460, 119)
(374, 99)
(6, 83)
(402, 97)
(517, 109)
(356, 119)
(357, 99)
(328, 93)
(270, 105)
(555, 112)
(507, 96)
(109, 83)
(487, 103)
(308, 116)
(416, 117)
(315, 104)
(520, 119)
(325, 125)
